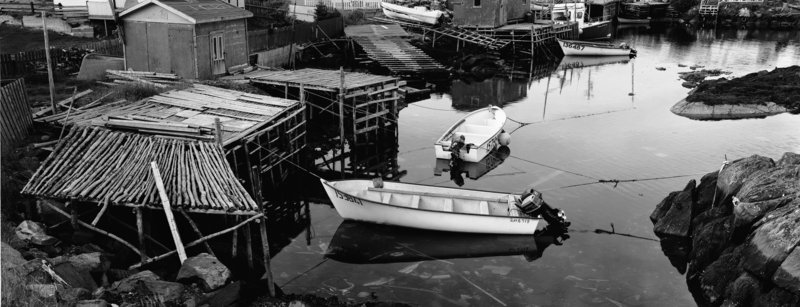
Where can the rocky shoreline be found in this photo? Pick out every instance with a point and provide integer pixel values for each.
(755, 95)
(735, 234)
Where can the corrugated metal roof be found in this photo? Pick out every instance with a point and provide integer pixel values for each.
(197, 11)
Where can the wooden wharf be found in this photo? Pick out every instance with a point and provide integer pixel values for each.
(387, 45)
(461, 34)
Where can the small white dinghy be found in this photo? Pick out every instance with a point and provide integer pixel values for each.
(416, 14)
(429, 207)
(480, 130)
(581, 48)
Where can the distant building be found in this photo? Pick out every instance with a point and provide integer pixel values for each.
(488, 13)
(196, 39)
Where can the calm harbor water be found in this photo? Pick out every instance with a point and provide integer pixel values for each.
(584, 127)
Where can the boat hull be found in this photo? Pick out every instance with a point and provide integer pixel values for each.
(351, 207)
(410, 14)
(598, 30)
(573, 48)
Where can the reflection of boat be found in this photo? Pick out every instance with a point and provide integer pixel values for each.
(474, 170)
(570, 62)
(416, 14)
(429, 207)
(581, 48)
(356, 242)
(471, 95)
(480, 130)
(623, 20)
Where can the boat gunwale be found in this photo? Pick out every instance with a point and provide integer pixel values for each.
(463, 119)
(592, 44)
(527, 217)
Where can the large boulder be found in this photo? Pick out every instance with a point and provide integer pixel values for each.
(765, 191)
(677, 221)
(206, 269)
(716, 277)
(732, 177)
(709, 241)
(771, 244)
(166, 291)
(74, 277)
(33, 232)
(706, 195)
(11, 261)
(226, 296)
(128, 284)
(11, 257)
(92, 262)
(788, 274)
(789, 158)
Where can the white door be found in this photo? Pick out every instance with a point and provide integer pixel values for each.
(217, 53)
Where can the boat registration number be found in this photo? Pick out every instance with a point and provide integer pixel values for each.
(519, 220)
(574, 46)
(348, 198)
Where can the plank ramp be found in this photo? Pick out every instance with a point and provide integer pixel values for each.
(398, 55)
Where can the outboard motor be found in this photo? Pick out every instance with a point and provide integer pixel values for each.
(533, 204)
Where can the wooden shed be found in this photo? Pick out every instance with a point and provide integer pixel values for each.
(198, 39)
(488, 13)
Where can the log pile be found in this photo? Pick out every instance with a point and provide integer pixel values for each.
(103, 166)
(159, 80)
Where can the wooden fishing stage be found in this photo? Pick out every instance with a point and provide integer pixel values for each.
(388, 45)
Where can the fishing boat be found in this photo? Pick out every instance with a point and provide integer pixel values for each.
(429, 207)
(624, 20)
(480, 130)
(576, 12)
(419, 14)
(363, 243)
(581, 48)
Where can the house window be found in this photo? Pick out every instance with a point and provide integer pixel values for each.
(477, 3)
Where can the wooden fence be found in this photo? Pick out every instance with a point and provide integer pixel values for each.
(260, 40)
(15, 114)
(65, 58)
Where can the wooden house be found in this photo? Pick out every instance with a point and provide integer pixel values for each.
(196, 39)
(488, 13)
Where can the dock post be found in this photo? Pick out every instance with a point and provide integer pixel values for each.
(140, 230)
(262, 225)
(235, 240)
(49, 65)
(341, 117)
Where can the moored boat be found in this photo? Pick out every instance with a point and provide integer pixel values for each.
(435, 208)
(480, 131)
(580, 48)
(419, 14)
(596, 30)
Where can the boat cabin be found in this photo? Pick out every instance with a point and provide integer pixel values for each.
(569, 12)
(487, 13)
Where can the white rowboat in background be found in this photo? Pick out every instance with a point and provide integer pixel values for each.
(429, 207)
(416, 14)
(580, 48)
(480, 129)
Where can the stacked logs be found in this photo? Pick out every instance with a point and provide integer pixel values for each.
(97, 165)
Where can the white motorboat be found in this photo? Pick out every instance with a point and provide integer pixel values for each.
(480, 130)
(429, 207)
(581, 48)
(419, 14)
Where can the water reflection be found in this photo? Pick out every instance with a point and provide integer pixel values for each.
(359, 243)
(473, 95)
(473, 170)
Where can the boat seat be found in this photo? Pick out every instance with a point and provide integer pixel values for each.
(474, 138)
(386, 197)
(448, 205)
(471, 128)
(414, 201)
(483, 207)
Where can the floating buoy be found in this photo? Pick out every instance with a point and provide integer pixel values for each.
(504, 138)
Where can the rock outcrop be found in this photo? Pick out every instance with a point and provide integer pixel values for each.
(754, 95)
(743, 229)
(206, 269)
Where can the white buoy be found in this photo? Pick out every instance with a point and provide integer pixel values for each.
(504, 139)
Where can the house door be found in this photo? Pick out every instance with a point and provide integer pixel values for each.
(217, 53)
